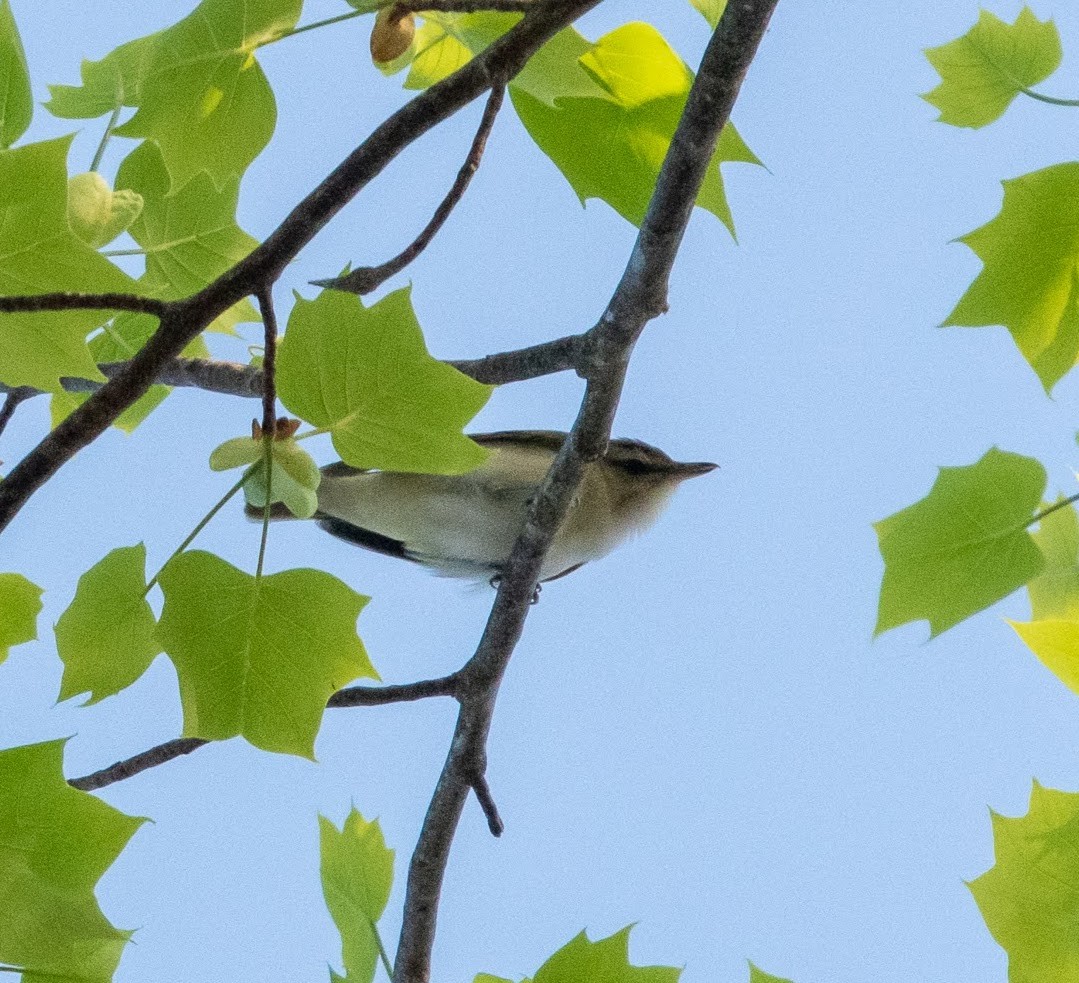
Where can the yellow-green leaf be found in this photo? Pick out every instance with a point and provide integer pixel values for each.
(760, 976)
(985, 69)
(365, 374)
(107, 85)
(96, 213)
(20, 604)
(711, 9)
(16, 99)
(1056, 643)
(1054, 593)
(258, 657)
(962, 547)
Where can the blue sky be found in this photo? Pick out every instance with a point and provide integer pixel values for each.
(697, 734)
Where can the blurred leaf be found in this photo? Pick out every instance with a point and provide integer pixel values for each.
(258, 657)
(20, 604)
(712, 10)
(446, 42)
(16, 99)
(759, 976)
(106, 636)
(55, 843)
(295, 475)
(1028, 897)
(364, 373)
(985, 69)
(1054, 593)
(1029, 280)
(39, 254)
(108, 84)
(962, 547)
(95, 212)
(204, 98)
(357, 874)
(1056, 644)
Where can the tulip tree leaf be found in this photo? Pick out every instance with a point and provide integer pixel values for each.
(1028, 897)
(107, 85)
(1030, 280)
(365, 374)
(16, 99)
(258, 657)
(55, 843)
(759, 976)
(294, 475)
(1054, 593)
(106, 636)
(204, 98)
(447, 42)
(190, 236)
(610, 144)
(357, 874)
(20, 604)
(984, 70)
(712, 11)
(962, 547)
(39, 254)
(1055, 642)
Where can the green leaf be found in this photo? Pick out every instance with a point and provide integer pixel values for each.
(712, 11)
(357, 874)
(1054, 593)
(55, 843)
(605, 961)
(1028, 898)
(985, 69)
(38, 254)
(962, 547)
(257, 657)
(95, 212)
(16, 99)
(106, 636)
(20, 604)
(108, 84)
(447, 42)
(190, 236)
(611, 143)
(204, 98)
(295, 475)
(1031, 272)
(1056, 644)
(488, 978)
(364, 373)
(759, 976)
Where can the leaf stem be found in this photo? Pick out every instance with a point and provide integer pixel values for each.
(269, 415)
(161, 247)
(1038, 516)
(203, 522)
(109, 127)
(386, 965)
(1052, 100)
(318, 23)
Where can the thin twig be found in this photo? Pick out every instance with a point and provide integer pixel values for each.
(367, 278)
(639, 297)
(488, 805)
(183, 320)
(469, 6)
(353, 696)
(11, 404)
(68, 301)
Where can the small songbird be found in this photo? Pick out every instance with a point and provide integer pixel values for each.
(465, 525)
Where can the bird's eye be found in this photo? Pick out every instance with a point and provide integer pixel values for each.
(634, 466)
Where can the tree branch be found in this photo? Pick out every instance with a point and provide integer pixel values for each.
(640, 296)
(352, 696)
(65, 301)
(367, 278)
(468, 6)
(183, 320)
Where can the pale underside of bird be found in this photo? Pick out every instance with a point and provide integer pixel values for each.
(465, 525)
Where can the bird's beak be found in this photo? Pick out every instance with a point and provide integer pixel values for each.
(692, 470)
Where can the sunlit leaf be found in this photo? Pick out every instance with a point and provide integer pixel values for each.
(365, 374)
(105, 638)
(20, 604)
(962, 547)
(985, 69)
(16, 99)
(108, 84)
(55, 843)
(258, 657)
(95, 212)
(1054, 593)
(357, 874)
(294, 475)
(711, 9)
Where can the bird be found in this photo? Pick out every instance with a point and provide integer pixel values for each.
(465, 525)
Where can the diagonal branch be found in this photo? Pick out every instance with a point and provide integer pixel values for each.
(367, 278)
(67, 301)
(183, 320)
(639, 297)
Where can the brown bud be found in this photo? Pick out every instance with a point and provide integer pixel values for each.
(392, 34)
(286, 428)
(256, 430)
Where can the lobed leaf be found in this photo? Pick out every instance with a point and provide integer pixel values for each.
(357, 874)
(39, 254)
(1054, 593)
(962, 547)
(603, 961)
(1028, 898)
(258, 657)
(108, 84)
(55, 843)
(295, 476)
(759, 976)
(1030, 279)
(204, 98)
(365, 374)
(1056, 644)
(106, 637)
(20, 604)
(16, 99)
(984, 70)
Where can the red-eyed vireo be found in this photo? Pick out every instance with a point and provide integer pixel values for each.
(465, 525)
